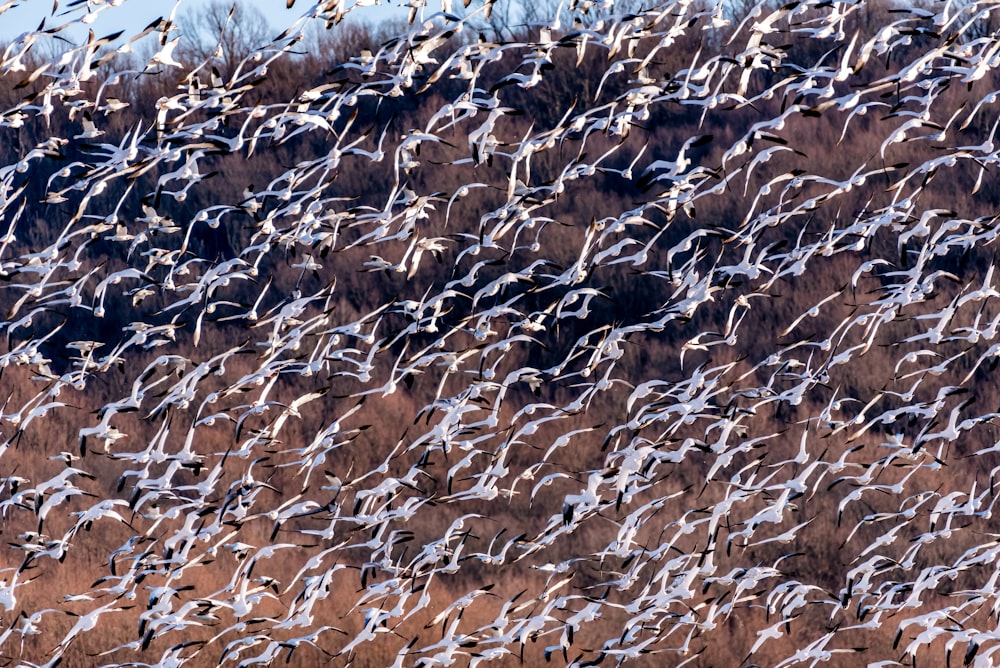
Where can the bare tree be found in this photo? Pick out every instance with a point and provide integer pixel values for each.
(507, 19)
(224, 33)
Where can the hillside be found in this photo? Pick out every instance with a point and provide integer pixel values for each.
(586, 333)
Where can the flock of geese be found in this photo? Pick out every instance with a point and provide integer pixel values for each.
(531, 490)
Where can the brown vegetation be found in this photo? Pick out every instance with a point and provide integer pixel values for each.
(172, 465)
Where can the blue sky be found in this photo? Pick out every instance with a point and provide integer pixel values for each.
(136, 14)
